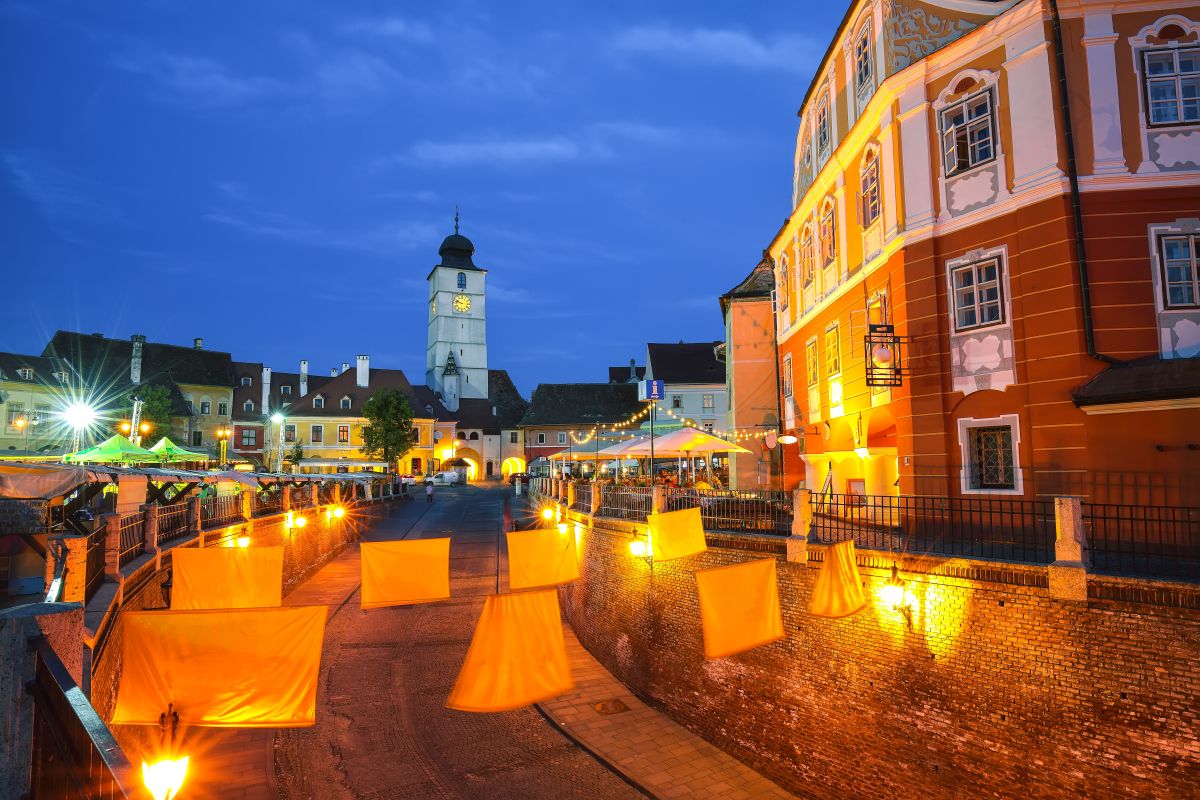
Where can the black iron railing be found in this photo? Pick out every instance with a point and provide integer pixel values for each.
(1151, 541)
(133, 537)
(95, 560)
(583, 498)
(174, 522)
(1003, 528)
(267, 503)
(74, 754)
(758, 510)
(626, 502)
(221, 510)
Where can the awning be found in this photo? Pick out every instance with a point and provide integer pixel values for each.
(169, 451)
(47, 481)
(114, 450)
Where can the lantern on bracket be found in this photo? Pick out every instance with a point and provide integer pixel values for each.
(883, 356)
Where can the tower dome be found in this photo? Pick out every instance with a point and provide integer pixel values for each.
(456, 249)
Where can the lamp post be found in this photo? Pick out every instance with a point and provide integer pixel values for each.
(223, 434)
(277, 418)
(22, 428)
(78, 416)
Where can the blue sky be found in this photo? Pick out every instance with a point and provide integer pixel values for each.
(276, 176)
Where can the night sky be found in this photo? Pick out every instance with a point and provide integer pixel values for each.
(276, 177)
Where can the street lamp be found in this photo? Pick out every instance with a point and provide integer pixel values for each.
(277, 418)
(223, 435)
(78, 416)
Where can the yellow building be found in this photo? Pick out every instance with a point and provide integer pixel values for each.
(32, 392)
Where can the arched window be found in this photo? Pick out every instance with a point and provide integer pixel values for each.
(822, 127)
(345, 402)
(462, 280)
(828, 233)
(864, 70)
(248, 405)
(868, 198)
(462, 435)
(1171, 75)
(318, 402)
(808, 261)
(246, 380)
(784, 281)
(474, 435)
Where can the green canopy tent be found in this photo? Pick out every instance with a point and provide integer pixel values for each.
(166, 450)
(115, 450)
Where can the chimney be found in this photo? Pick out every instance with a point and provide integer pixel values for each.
(364, 371)
(345, 366)
(333, 373)
(197, 343)
(303, 378)
(633, 378)
(135, 358)
(266, 393)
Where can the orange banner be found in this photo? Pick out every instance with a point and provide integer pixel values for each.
(517, 655)
(245, 668)
(226, 577)
(839, 590)
(403, 572)
(676, 534)
(539, 558)
(739, 607)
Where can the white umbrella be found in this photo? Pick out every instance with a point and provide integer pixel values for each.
(686, 442)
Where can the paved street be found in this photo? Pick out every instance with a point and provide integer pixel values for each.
(382, 729)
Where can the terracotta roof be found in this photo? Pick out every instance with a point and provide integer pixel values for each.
(1150, 378)
(581, 403)
(277, 399)
(333, 389)
(685, 362)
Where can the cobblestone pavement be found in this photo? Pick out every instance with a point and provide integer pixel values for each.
(382, 729)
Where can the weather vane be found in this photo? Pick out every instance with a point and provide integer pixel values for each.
(456, 218)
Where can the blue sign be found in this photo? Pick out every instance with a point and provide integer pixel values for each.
(650, 390)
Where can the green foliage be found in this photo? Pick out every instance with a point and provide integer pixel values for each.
(157, 410)
(294, 454)
(389, 432)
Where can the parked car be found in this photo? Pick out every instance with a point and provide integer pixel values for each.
(449, 478)
(409, 480)
(523, 477)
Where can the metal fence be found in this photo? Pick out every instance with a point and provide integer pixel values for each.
(1003, 528)
(583, 498)
(267, 503)
(94, 576)
(133, 537)
(758, 510)
(1153, 541)
(74, 754)
(174, 522)
(626, 502)
(221, 510)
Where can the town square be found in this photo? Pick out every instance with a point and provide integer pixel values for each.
(570, 401)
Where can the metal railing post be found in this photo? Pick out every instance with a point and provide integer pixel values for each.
(1068, 574)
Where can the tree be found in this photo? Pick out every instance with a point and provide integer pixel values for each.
(389, 432)
(157, 411)
(294, 455)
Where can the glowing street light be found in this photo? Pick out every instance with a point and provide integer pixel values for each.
(164, 778)
(126, 426)
(277, 418)
(78, 416)
(223, 434)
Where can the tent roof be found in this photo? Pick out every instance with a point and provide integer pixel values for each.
(166, 447)
(115, 449)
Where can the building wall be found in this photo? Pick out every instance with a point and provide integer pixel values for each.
(330, 449)
(998, 691)
(206, 424)
(33, 399)
(691, 397)
(752, 388)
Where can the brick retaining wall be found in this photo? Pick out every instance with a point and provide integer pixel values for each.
(999, 691)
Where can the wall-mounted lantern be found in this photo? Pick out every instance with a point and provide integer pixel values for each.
(884, 356)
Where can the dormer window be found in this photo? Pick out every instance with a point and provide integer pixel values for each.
(462, 280)
(429, 409)
(318, 402)
(346, 402)
(26, 373)
(61, 377)
(246, 380)
(285, 390)
(248, 405)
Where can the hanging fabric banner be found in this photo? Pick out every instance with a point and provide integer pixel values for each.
(539, 558)
(676, 534)
(406, 571)
(839, 591)
(517, 655)
(739, 607)
(245, 668)
(226, 577)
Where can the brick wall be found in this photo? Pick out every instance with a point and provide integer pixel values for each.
(998, 691)
(305, 551)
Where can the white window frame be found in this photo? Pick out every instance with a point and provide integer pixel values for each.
(562, 438)
(285, 389)
(864, 80)
(870, 196)
(248, 405)
(205, 407)
(346, 402)
(783, 279)
(833, 355)
(252, 435)
(1000, 302)
(787, 375)
(25, 373)
(708, 401)
(514, 437)
(965, 425)
(341, 428)
(812, 362)
(1176, 77)
(246, 380)
(1138, 44)
(290, 433)
(316, 434)
(541, 438)
(461, 281)
(827, 251)
(969, 125)
(823, 127)
(1182, 228)
(977, 257)
(319, 401)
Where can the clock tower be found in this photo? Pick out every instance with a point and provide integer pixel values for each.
(456, 354)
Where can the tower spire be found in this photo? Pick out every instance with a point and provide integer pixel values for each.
(456, 217)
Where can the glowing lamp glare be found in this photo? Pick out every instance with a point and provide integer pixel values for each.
(787, 438)
(163, 779)
(562, 528)
(243, 541)
(339, 512)
(547, 513)
(79, 415)
(300, 522)
(639, 548)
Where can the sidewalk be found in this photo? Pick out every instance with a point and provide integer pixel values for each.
(662, 758)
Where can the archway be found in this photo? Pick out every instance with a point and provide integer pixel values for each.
(474, 461)
(512, 464)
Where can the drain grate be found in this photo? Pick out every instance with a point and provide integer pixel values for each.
(610, 707)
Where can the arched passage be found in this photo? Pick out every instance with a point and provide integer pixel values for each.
(512, 464)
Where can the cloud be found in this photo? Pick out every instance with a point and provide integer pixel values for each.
(381, 239)
(59, 196)
(202, 82)
(718, 47)
(596, 142)
(390, 28)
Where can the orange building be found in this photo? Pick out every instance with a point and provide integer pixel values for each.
(1011, 190)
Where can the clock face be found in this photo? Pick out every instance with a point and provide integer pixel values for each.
(462, 302)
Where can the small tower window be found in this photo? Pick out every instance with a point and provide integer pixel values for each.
(248, 405)
(462, 280)
(246, 380)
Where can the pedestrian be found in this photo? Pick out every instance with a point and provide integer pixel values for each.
(429, 492)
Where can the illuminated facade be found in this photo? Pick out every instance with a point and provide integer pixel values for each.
(937, 172)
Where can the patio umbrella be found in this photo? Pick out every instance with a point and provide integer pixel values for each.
(114, 450)
(687, 442)
(169, 451)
